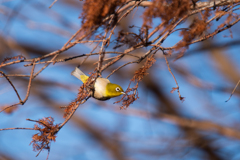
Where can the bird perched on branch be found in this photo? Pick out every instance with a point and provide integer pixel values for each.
(103, 89)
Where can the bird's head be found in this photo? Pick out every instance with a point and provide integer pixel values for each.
(114, 90)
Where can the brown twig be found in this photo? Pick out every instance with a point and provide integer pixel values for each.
(14, 62)
(73, 36)
(10, 106)
(29, 84)
(27, 94)
(174, 88)
(36, 121)
(102, 53)
(53, 3)
(90, 54)
(16, 75)
(20, 100)
(74, 57)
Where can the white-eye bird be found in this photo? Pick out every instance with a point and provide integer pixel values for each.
(103, 88)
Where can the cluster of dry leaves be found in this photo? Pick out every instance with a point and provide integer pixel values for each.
(47, 133)
(95, 11)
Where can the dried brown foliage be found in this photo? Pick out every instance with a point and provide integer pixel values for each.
(94, 12)
(47, 133)
(167, 10)
(141, 72)
(132, 92)
(195, 30)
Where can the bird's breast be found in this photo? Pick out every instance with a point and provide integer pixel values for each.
(100, 89)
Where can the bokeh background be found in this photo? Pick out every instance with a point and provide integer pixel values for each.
(206, 74)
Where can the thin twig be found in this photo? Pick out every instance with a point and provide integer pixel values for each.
(48, 152)
(53, 3)
(73, 36)
(216, 32)
(10, 106)
(42, 149)
(45, 66)
(74, 57)
(169, 69)
(20, 100)
(14, 62)
(90, 41)
(4, 129)
(89, 54)
(29, 84)
(16, 75)
(120, 67)
(37, 122)
(102, 53)
(233, 90)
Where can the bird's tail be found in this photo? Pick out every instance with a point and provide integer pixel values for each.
(79, 74)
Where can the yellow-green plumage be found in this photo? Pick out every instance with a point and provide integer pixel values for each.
(111, 90)
(103, 88)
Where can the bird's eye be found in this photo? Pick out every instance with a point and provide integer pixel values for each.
(117, 89)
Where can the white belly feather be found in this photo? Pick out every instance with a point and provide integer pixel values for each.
(100, 88)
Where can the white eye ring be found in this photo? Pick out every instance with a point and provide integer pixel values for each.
(117, 89)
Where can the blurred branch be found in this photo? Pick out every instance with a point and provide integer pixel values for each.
(202, 125)
(168, 106)
(207, 126)
(53, 3)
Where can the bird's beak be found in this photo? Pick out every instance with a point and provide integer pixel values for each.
(123, 92)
